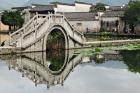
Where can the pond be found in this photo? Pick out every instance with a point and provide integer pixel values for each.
(60, 71)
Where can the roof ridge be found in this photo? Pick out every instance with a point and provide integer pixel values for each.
(81, 2)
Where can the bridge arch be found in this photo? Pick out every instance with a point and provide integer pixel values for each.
(33, 36)
(55, 29)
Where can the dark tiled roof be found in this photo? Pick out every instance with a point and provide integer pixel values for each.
(83, 2)
(60, 3)
(21, 8)
(117, 8)
(80, 16)
(113, 14)
(42, 4)
(43, 8)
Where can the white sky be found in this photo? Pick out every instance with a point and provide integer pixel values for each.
(11, 3)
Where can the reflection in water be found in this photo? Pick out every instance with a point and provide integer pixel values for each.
(102, 58)
(49, 68)
(132, 60)
(53, 68)
(56, 58)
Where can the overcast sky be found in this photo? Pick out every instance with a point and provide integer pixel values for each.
(5, 4)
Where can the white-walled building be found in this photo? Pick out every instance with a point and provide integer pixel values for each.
(82, 7)
(111, 21)
(83, 22)
(65, 7)
(76, 7)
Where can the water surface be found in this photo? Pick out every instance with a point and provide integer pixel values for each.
(67, 72)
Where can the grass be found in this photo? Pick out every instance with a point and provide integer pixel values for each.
(93, 51)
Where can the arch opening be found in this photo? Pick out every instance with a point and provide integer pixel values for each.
(55, 49)
(55, 40)
(56, 59)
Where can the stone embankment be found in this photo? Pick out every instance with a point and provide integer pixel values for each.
(112, 43)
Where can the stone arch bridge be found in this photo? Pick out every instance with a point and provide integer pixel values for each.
(33, 35)
(36, 66)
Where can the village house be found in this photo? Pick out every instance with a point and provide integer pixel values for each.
(79, 16)
(116, 8)
(84, 21)
(61, 7)
(42, 9)
(111, 20)
(76, 7)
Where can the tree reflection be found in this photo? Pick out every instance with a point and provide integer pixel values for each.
(55, 50)
(98, 58)
(132, 60)
(56, 59)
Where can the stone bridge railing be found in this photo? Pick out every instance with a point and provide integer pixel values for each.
(38, 25)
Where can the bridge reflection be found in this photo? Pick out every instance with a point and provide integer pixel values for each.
(50, 68)
(54, 66)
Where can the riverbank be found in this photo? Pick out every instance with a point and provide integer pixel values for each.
(107, 50)
(104, 36)
(85, 50)
(107, 45)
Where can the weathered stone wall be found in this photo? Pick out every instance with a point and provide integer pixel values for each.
(86, 26)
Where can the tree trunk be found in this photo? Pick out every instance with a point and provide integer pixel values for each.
(124, 29)
(9, 28)
(132, 28)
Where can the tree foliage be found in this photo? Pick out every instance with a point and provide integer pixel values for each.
(55, 2)
(132, 14)
(12, 18)
(98, 7)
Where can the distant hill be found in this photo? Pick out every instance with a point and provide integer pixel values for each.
(37, 2)
(46, 1)
(1, 8)
(7, 4)
(110, 2)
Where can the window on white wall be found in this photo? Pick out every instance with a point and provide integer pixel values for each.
(79, 24)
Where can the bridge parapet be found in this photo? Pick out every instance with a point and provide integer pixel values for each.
(39, 26)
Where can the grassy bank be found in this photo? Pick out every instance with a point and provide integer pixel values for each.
(110, 49)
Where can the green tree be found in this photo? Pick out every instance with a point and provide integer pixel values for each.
(55, 2)
(98, 7)
(12, 19)
(132, 15)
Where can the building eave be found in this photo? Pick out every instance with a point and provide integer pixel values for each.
(79, 2)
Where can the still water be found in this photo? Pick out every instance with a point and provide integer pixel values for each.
(68, 72)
